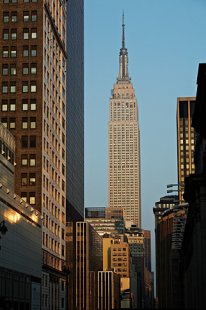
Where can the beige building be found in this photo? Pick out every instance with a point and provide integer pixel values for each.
(33, 107)
(124, 145)
(185, 140)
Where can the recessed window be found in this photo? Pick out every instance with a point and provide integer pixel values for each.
(12, 123)
(13, 105)
(33, 69)
(13, 34)
(33, 87)
(14, 17)
(24, 160)
(32, 198)
(4, 106)
(33, 104)
(6, 17)
(4, 87)
(34, 1)
(24, 105)
(5, 52)
(13, 69)
(25, 87)
(13, 51)
(33, 122)
(5, 69)
(26, 34)
(24, 142)
(24, 179)
(26, 16)
(25, 51)
(34, 33)
(33, 50)
(13, 87)
(25, 69)
(4, 122)
(5, 34)
(34, 16)
(26, 1)
(32, 141)
(32, 160)
(24, 196)
(32, 179)
(13, 1)
(24, 123)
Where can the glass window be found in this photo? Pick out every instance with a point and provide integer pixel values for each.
(24, 105)
(13, 1)
(25, 51)
(33, 87)
(13, 51)
(24, 123)
(24, 141)
(4, 106)
(32, 160)
(33, 69)
(13, 69)
(24, 196)
(25, 87)
(26, 16)
(34, 0)
(6, 17)
(32, 141)
(34, 33)
(33, 104)
(24, 160)
(13, 105)
(25, 69)
(33, 122)
(4, 87)
(13, 34)
(14, 17)
(5, 69)
(4, 122)
(6, 1)
(24, 179)
(32, 198)
(26, 34)
(34, 16)
(26, 1)
(12, 124)
(32, 178)
(33, 50)
(5, 52)
(13, 87)
(5, 34)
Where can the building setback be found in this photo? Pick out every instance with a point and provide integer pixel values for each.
(124, 145)
(33, 107)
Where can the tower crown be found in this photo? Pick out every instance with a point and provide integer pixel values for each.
(123, 57)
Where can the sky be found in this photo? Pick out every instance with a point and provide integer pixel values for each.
(166, 42)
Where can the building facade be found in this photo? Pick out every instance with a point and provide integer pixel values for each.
(185, 140)
(124, 145)
(33, 107)
(20, 238)
(108, 290)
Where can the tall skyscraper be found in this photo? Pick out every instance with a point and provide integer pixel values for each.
(185, 140)
(33, 106)
(124, 145)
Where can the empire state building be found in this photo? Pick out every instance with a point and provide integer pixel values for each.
(124, 145)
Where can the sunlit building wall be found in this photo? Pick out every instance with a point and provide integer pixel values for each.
(108, 290)
(185, 140)
(33, 107)
(124, 145)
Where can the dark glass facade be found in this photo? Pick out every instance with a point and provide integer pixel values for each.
(75, 110)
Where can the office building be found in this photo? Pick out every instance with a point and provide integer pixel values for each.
(124, 145)
(95, 212)
(33, 107)
(89, 252)
(165, 203)
(20, 238)
(108, 290)
(185, 141)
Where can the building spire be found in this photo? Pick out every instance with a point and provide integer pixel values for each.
(123, 39)
(123, 56)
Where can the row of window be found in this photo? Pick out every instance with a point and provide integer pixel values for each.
(27, 123)
(26, 69)
(29, 197)
(28, 179)
(27, 16)
(27, 34)
(12, 51)
(11, 87)
(16, 1)
(10, 105)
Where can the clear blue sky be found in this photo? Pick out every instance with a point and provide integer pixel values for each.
(166, 40)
